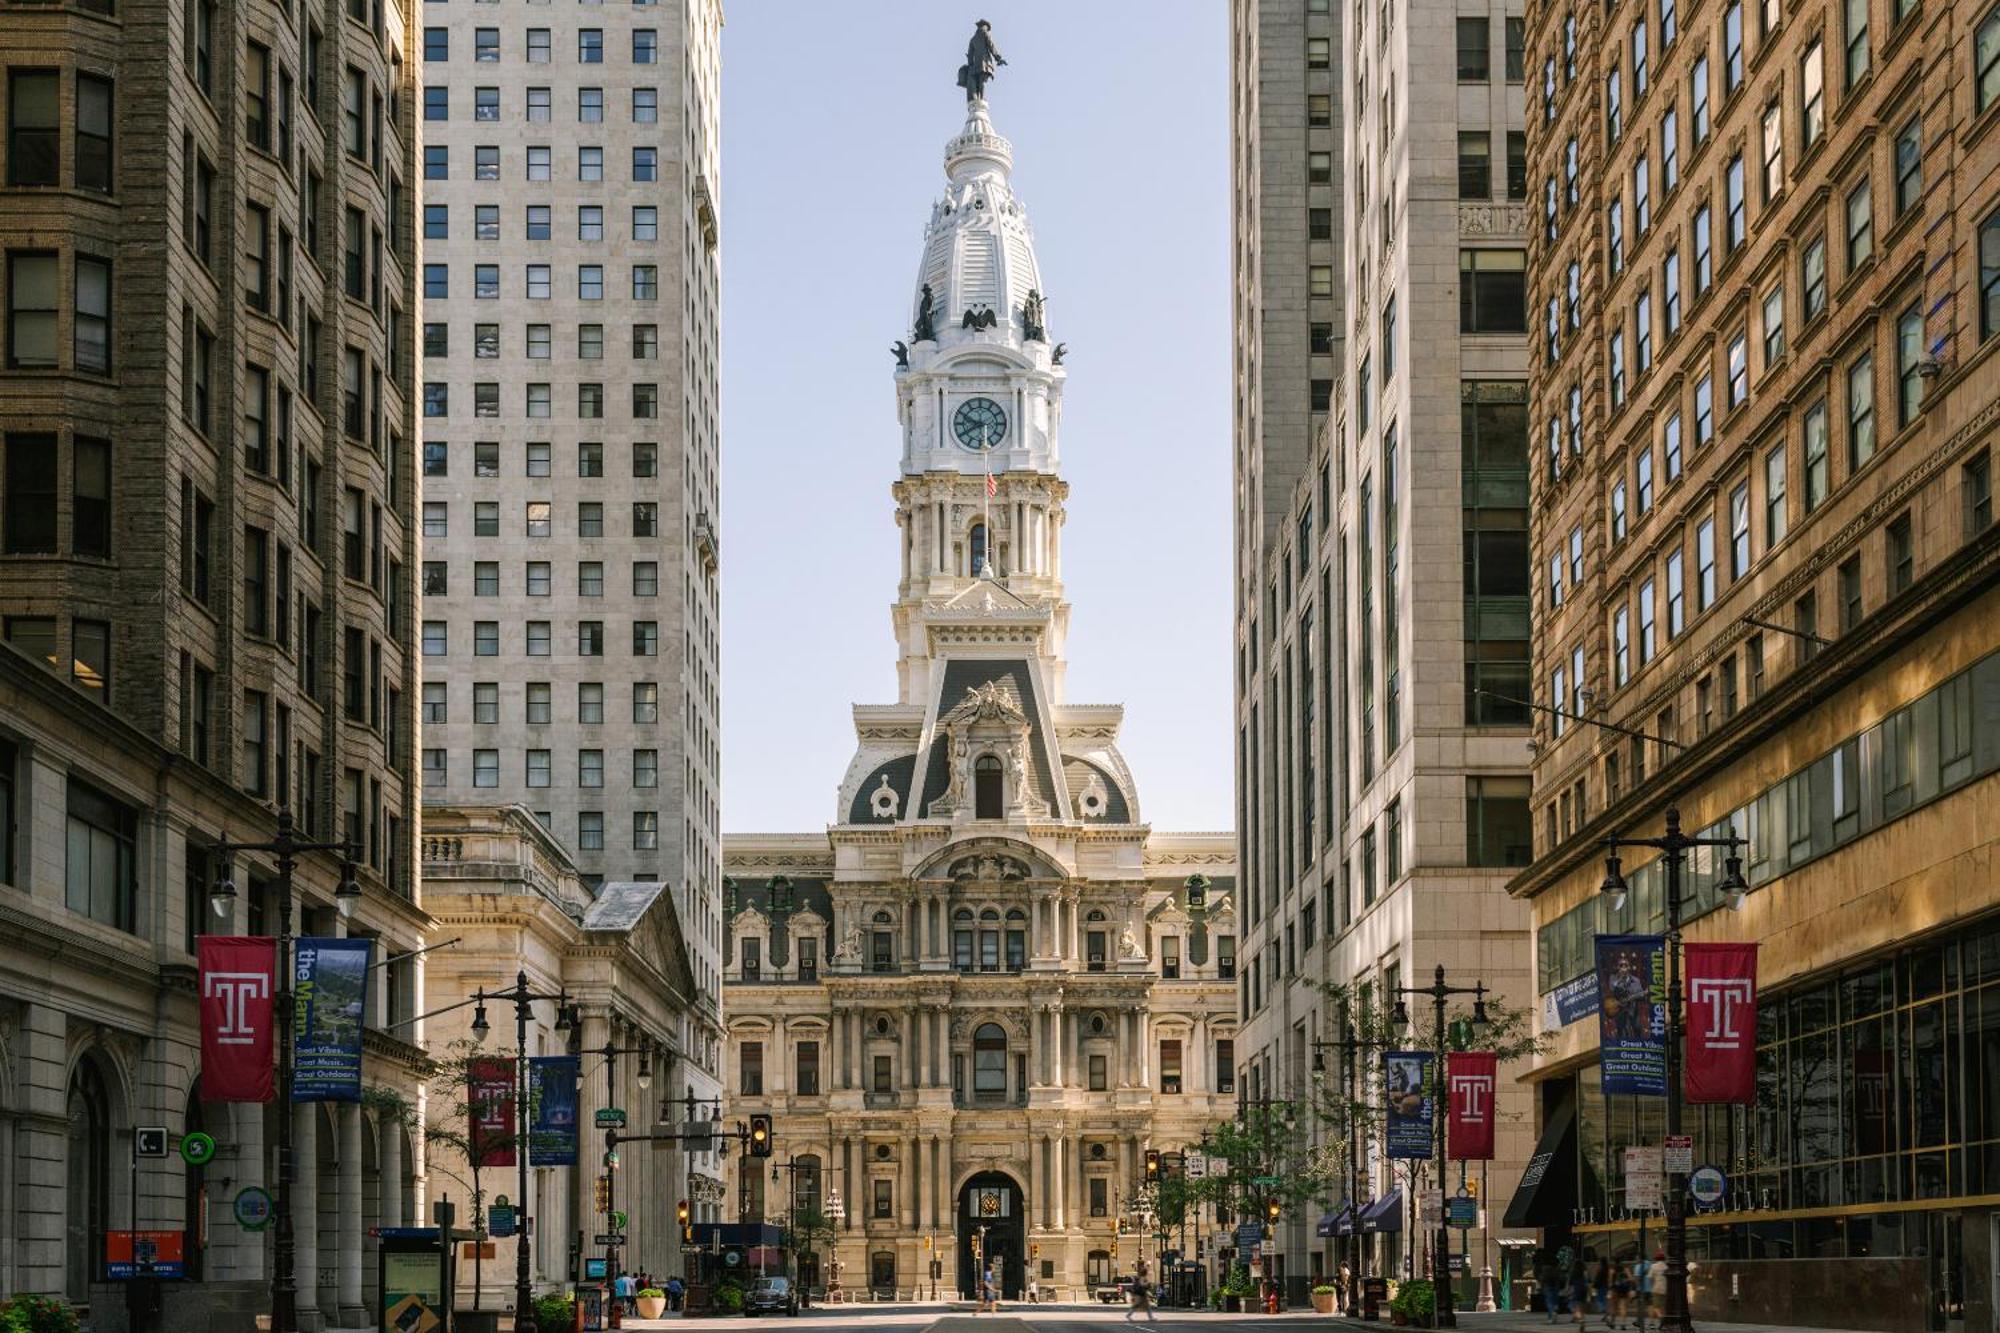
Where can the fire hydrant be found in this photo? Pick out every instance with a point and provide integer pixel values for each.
(1271, 1298)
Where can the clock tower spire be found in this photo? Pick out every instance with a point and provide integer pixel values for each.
(979, 389)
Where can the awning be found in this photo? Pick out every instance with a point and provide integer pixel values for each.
(1385, 1214)
(737, 1233)
(1546, 1196)
(1336, 1224)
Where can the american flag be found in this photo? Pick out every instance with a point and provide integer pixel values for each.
(992, 485)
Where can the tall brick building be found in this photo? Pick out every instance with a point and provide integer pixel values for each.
(1765, 294)
(207, 542)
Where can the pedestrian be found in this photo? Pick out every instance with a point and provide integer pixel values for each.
(1579, 1290)
(1343, 1284)
(674, 1290)
(1549, 1274)
(1142, 1295)
(1650, 1271)
(1622, 1289)
(1600, 1288)
(621, 1292)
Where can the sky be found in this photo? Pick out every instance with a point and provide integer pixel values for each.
(834, 121)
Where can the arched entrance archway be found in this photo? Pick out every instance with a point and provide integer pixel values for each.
(88, 1197)
(991, 1209)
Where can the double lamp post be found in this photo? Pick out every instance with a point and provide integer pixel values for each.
(1441, 1243)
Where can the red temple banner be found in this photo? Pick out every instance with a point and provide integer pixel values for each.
(238, 990)
(1721, 1023)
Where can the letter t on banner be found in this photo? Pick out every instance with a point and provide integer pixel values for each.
(1469, 1130)
(237, 998)
(1721, 1023)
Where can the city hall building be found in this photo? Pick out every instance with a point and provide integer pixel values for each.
(976, 999)
(1765, 280)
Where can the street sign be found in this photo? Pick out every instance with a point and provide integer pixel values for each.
(1430, 1209)
(1708, 1185)
(1197, 1166)
(1644, 1178)
(1462, 1212)
(500, 1220)
(697, 1135)
(1248, 1235)
(253, 1208)
(1266, 1181)
(610, 1117)
(149, 1141)
(1679, 1153)
(197, 1149)
(618, 1220)
(607, 1239)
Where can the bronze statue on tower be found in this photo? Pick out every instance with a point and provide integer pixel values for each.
(982, 58)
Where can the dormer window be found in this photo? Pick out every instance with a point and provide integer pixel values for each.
(753, 959)
(987, 799)
(1170, 957)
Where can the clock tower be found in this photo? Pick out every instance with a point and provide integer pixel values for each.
(974, 999)
(978, 396)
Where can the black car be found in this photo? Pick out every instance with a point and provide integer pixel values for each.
(772, 1295)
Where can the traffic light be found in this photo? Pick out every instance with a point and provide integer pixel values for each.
(760, 1136)
(681, 1213)
(1035, 1250)
(1271, 1210)
(1152, 1164)
(1114, 1247)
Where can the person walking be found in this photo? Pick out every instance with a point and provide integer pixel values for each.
(1650, 1271)
(1142, 1295)
(1548, 1275)
(1600, 1288)
(674, 1292)
(621, 1292)
(1579, 1291)
(1622, 1289)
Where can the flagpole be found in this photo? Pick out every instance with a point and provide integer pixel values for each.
(986, 514)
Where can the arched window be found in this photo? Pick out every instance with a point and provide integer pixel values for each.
(1017, 939)
(986, 797)
(961, 939)
(989, 940)
(989, 1063)
(805, 1188)
(977, 546)
(89, 1195)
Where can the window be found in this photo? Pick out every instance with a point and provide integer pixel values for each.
(1618, 510)
(1977, 483)
(1774, 150)
(645, 701)
(1319, 168)
(590, 768)
(1319, 53)
(1517, 167)
(1849, 578)
(1639, 67)
(1475, 55)
(1737, 390)
(1899, 554)
(1497, 827)
(1698, 98)
(1676, 594)
(1910, 365)
(645, 164)
(1774, 497)
(1860, 225)
(1732, 46)
(1704, 272)
(93, 134)
(1704, 564)
(34, 127)
(1989, 269)
(1739, 531)
(101, 861)
(1648, 626)
(1670, 150)
(32, 309)
(1670, 282)
(1642, 486)
(1816, 469)
(1856, 22)
(590, 46)
(1986, 61)
(1909, 161)
(1492, 291)
(751, 1062)
(1812, 84)
(1861, 411)
(1734, 231)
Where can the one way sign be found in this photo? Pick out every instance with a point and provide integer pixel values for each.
(149, 1141)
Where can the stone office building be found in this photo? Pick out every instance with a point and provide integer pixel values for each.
(1766, 290)
(976, 999)
(207, 528)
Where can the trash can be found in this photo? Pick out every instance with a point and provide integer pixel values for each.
(1374, 1295)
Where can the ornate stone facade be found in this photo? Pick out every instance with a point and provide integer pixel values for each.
(976, 999)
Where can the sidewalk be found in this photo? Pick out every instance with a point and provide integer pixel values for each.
(1517, 1321)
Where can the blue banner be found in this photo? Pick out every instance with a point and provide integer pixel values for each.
(330, 1006)
(1406, 1081)
(1569, 1002)
(552, 1081)
(1632, 1014)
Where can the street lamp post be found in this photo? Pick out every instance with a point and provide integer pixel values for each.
(287, 847)
(1674, 847)
(1441, 1242)
(1349, 1046)
(523, 999)
(611, 1053)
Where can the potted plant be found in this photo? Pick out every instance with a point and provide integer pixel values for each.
(1414, 1304)
(652, 1302)
(1323, 1296)
(729, 1298)
(1237, 1289)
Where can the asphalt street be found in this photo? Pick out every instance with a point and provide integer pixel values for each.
(1098, 1319)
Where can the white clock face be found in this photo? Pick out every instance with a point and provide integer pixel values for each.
(979, 423)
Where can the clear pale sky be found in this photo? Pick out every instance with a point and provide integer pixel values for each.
(834, 123)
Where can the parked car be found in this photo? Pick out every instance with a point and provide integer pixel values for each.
(1118, 1291)
(772, 1295)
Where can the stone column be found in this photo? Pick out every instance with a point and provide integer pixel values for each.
(305, 1210)
(906, 1202)
(1072, 1169)
(909, 1046)
(389, 1159)
(348, 1126)
(1037, 1015)
(41, 1142)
